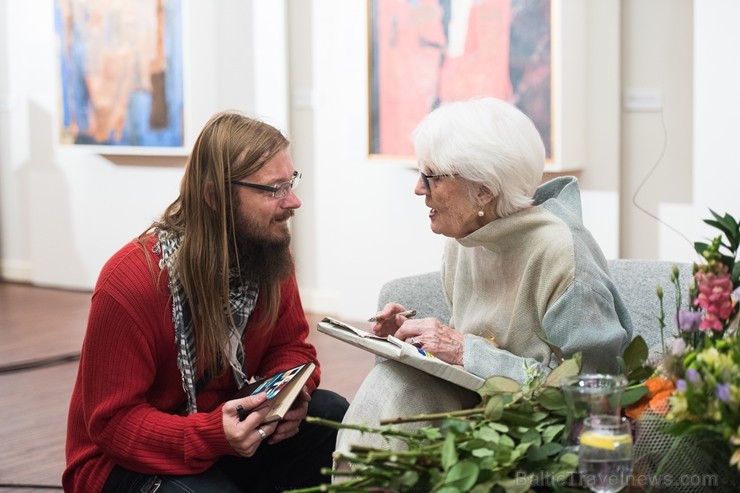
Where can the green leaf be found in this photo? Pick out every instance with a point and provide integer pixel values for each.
(727, 260)
(633, 394)
(552, 399)
(463, 475)
(449, 452)
(473, 444)
(506, 441)
(532, 436)
(498, 426)
(498, 385)
(449, 489)
(522, 448)
(551, 448)
(636, 353)
(482, 452)
(431, 433)
(550, 433)
(538, 416)
(488, 434)
(700, 247)
(409, 478)
(457, 426)
(536, 454)
(569, 459)
(567, 368)
(736, 274)
(642, 373)
(518, 419)
(494, 408)
(729, 226)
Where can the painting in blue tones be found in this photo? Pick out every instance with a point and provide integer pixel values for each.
(121, 72)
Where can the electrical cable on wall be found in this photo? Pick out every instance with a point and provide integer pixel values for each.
(647, 177)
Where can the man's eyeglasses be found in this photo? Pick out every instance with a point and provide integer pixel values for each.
(279, 190)
(425, 178)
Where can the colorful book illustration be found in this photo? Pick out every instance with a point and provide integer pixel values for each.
(281, 388)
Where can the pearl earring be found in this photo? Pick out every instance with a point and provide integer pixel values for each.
(481, 213)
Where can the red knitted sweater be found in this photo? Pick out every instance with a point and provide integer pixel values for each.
(129, 384)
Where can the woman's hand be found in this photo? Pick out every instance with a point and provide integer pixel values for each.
(432, 335)
(244, 436)
(288, 426)
(388, 320)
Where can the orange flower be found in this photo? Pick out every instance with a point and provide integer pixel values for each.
(656, 398)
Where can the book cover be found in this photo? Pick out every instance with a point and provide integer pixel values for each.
(393, 348)
(281, 388)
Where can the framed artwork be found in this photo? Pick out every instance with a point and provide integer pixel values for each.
(426, 52)
(121, 74)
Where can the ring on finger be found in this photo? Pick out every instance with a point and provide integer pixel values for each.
(262, 433)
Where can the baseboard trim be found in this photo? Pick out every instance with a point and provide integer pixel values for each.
(16, 271)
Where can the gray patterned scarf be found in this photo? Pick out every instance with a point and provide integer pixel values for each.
(242, 299)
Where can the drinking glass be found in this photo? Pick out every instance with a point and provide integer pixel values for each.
(586, 395)
(605, 453)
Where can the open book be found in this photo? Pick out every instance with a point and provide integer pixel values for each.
(393, 348)
(282, 389)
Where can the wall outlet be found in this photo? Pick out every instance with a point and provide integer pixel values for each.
(643, 100)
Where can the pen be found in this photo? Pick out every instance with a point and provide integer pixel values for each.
(407, 314)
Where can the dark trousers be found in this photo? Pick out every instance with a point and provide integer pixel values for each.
(290, 464)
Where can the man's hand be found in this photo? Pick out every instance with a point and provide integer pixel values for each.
(288, 426)
(245, 436)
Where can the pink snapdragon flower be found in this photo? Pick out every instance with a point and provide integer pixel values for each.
(714, 297)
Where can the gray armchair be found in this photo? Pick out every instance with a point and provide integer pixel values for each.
(636, 280)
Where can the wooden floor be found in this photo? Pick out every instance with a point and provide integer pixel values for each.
(38, 323)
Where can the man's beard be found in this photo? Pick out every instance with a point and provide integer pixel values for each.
(260, 258)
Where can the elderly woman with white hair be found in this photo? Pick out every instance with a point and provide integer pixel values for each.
(520, 272)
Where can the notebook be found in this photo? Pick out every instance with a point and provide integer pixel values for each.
(393, 348)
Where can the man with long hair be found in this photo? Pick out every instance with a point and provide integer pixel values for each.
(182, 317)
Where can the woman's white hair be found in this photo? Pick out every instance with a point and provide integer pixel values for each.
(486, 141)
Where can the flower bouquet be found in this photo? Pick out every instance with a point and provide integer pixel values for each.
(688, 420)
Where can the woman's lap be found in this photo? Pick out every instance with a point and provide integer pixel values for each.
(392, 390)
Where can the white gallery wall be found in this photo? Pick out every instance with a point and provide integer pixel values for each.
(302, 65)
(716, 109)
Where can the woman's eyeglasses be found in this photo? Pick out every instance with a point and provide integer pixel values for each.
(425, 178)
(279, 190)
